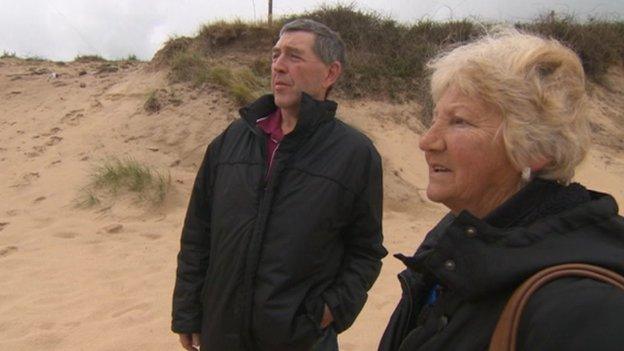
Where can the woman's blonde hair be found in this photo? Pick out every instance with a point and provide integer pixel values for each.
(537, 84)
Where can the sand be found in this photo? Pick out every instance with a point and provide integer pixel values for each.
(101, 278)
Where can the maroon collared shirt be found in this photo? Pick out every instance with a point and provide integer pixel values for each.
(272, 127)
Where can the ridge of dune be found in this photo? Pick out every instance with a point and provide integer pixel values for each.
(102, 278)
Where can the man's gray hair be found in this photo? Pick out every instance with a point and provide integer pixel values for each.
(327, 45)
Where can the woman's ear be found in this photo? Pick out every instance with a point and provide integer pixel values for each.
(538, 163)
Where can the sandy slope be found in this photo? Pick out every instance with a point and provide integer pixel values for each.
(101, 278)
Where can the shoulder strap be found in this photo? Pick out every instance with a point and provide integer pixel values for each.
(504, 337)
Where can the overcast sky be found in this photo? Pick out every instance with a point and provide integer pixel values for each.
(62, 29)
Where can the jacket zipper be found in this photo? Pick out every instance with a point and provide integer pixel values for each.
(265, 197)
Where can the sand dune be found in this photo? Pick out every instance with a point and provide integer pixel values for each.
(101, 278)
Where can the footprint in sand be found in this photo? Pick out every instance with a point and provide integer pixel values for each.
(39, 199)
(73, 117)
(2, 225)
(26, 180)
(66, 235)
(7, 250)
(152, 236)
(111, 229)
(54, 140)
(52, 131)
(38, 150)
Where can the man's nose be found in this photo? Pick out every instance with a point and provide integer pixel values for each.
(278, 64)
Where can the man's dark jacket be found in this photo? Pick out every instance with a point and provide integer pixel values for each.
(477, 264)
(260, 257)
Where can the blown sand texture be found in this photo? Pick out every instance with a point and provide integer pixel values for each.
(102, 278)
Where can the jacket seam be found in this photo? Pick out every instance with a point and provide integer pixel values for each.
(326, 177)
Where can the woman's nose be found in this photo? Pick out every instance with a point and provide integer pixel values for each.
(431, 140)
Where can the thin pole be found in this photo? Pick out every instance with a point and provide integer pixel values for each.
(270, 13)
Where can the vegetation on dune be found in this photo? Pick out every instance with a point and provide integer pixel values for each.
(35, 59)
(152, 104)
(8, 54)
(243, 84)
(117, 176)
(159, 99)
(599, 43)
(89, 58)
(386, 58)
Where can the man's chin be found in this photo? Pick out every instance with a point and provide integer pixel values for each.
(287, 101)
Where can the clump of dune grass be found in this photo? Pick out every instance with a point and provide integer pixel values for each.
(115, 177)
(88, 198)
(242, 84)
(188, 67)
(152, 104)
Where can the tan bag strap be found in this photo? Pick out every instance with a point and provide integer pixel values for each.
(504, 337)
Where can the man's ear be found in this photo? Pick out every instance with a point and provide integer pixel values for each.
(335, 69)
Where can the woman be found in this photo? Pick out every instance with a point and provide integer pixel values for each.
(509, 127)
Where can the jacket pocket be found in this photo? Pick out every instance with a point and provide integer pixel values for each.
(313, 310)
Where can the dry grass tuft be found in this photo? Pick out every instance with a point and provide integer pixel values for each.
(116, 176)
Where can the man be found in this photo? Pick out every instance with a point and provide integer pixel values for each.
(282, 237)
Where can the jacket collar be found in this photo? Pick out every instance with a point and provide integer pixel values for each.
(312, 113)
(498, 259)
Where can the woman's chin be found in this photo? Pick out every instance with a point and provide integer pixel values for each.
(435, 195)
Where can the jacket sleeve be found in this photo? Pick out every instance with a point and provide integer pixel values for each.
(194, 253)
(573, 314)
(363, 250)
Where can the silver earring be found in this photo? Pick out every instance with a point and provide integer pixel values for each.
(526, 174)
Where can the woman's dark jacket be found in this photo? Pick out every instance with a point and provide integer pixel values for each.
(476, 264)
(261, 256)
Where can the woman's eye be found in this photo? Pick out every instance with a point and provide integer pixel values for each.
(459, 121)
